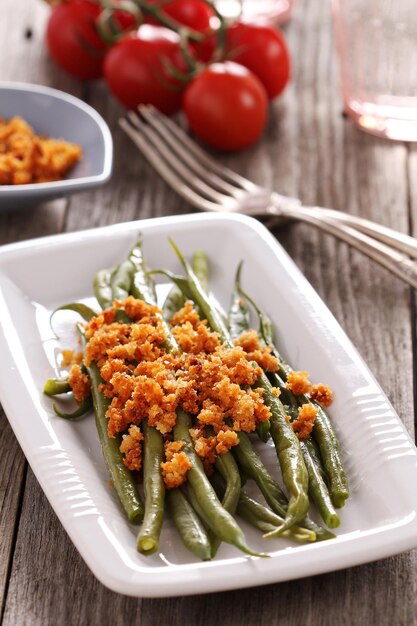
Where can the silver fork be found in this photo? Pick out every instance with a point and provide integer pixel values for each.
(210, 186)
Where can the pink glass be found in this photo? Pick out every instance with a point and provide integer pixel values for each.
(377, 45)
(260, 11)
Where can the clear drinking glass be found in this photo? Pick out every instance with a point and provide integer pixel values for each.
(260, 11)
(377, 44)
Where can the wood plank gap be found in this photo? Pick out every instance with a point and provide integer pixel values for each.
(14, 540)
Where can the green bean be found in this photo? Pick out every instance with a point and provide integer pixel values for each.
(227, 468)
(251, 464)
(142, 286)
(102, 288)
(328, 443)
(267, 521)
(323, 430)
(188, 524)
(238, 314)
(318, 489)
(56, 386)
(173, 303)
(237, 323)
(153, 445)
(315, 455)
(83, 408)
(212, 512)
(286, 443)
(85, 311)
(175, 299)
(121, 280)
(121, 477)
(260, 516)
(200, 265)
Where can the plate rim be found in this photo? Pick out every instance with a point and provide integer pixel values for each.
(403, 536)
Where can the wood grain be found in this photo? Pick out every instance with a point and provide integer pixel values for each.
(310, 151)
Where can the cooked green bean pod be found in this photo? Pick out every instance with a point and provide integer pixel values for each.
(290, 457)
(227, 468)
(318, 490)
(188, 524)
(122, 478)
(211, 511)
(56, 386)
(84, 407)
(323, 430)
(85, 311)
(102, 288)
(154, 488)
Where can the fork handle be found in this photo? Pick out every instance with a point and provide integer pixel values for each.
(394, 261)
(392, 238)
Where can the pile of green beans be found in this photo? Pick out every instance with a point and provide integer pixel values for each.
(204, 508)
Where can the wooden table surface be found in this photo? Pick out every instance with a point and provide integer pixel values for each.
(309, 150)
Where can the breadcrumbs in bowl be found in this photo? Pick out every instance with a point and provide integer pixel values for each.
(33, 171)
(27, 158)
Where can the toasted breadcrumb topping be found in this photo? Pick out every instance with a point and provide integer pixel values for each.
(250, 343)
(304, 423)
(298, 383)
(176, 466)
(208, 380)
(69, 357)
(79, 383)
(322, 394)
(27, 158)
(131, 447)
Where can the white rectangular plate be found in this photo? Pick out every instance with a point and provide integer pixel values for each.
(36, 276)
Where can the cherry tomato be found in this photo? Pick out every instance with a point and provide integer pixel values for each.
(135, 72)
(73, 41)
(125, 21)
(195, 14)
(226, 106)
(263, 50)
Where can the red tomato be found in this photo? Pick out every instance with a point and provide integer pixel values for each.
(195, 14)
(263, 50)
(125, 21)
(73, 41)
(135, 72)
(226, 106)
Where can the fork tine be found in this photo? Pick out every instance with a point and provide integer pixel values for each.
(168, 172)
(151, 113)
(177, 143)
(158, 142)
(202, 176)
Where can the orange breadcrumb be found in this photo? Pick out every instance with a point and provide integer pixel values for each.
(322, 394)
(249, 341)
(303, 425)
(226, 439)
(69, 357)
(176, 466)
(298, 383)
(132, 449)
(210, 381)
(27, 158)
(79, 383)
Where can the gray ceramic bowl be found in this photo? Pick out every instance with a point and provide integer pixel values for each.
(61, 116)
